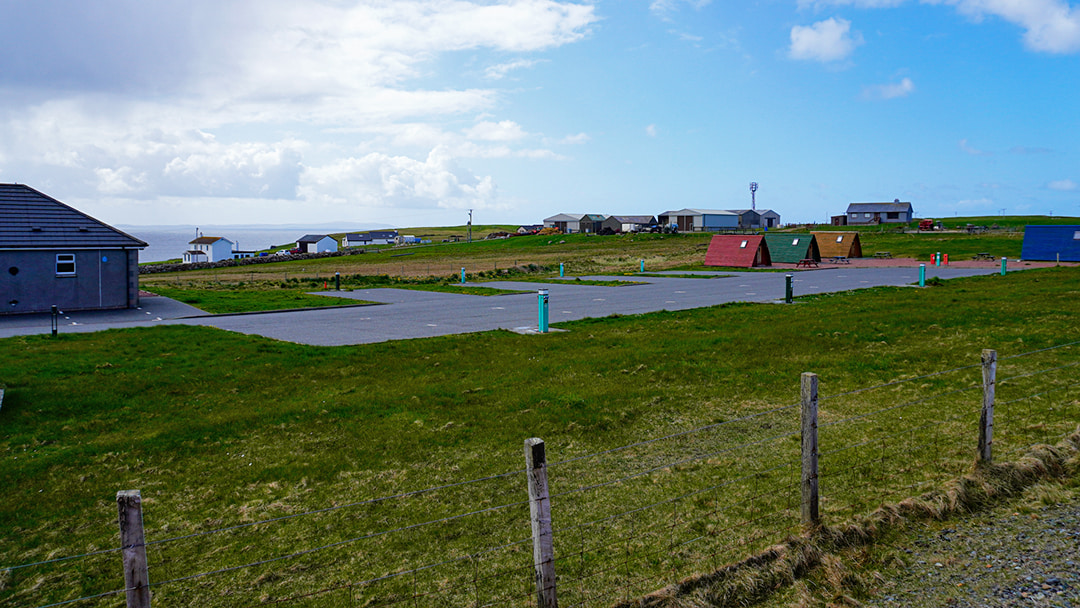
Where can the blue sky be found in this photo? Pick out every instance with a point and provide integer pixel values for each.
(410, 113)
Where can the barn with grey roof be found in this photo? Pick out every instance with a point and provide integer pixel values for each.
(52, 254)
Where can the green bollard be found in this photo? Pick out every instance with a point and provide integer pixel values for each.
(642, 266)
(561, 273)
(337, 281)
(1003, 264)
(922, 275)
(542, 309)
(788, 294)
(463, 274)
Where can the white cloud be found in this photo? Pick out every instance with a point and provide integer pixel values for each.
(1065, 185)
(969, 149)
(506, 130)
(826, 41)
(398, 181)
(889, 91)
(1050, 26)
(499, 71)
(269, 109)
(573, 140)
(650, 130)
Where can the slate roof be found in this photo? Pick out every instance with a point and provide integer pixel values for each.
(895, 206)
(371, 235)
(207, 240)
(728, 250)
(310, 238)
(792, 248)
(1048, 242)
(32, 220)
(635, 219)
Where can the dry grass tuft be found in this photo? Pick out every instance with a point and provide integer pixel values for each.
(756, 577)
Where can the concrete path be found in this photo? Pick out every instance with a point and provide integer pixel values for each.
(405, 314)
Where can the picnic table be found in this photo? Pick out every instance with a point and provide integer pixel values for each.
(983, 256)
(883, 255)
(807, 263)
(839, 259)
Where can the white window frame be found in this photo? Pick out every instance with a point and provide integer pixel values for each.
(840, 239)
(1076, 235)
(65, 259)
(794, 242)
(743, 245)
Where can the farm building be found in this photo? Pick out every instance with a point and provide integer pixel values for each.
(52, 254)
(738, 251)
(792, 248)
(1051, 243)
(698, 220)
(635, 223)
(769, 218)
(844, 244)
(372, 237)
(879, 213)
(316, 243)
(748, 218)
(567, 223)
(208, 249)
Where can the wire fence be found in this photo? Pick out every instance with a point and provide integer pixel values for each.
(626, 521)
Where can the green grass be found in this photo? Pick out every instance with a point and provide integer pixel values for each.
(230, 299)
(219, 429)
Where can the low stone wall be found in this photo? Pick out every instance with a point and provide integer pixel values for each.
(156, 268)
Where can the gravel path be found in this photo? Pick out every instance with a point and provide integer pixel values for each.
(997, 558)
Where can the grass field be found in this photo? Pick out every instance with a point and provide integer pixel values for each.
(219, 430)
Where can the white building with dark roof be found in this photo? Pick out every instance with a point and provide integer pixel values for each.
(53, 255)
(879, 213)
(208, 249)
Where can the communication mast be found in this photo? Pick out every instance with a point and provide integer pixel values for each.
(753, 198)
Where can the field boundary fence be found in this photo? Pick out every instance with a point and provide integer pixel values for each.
(598, 528)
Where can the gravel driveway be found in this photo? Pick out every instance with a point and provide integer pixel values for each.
(997, 558)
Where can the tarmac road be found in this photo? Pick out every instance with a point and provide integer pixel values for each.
(406, 314)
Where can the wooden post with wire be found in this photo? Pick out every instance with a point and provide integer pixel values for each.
(133, 548)
(540, 512)
(986, 419)
(810, 515)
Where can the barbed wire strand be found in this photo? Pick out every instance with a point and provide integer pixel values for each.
(89, 597)
(895, 382)
(1036, 373)
(62, 559)
(898, 406)
(336, 544)
(1041, 350)
(338, 507)
(673, 435)
(669, 465)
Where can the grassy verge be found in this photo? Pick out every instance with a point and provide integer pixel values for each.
(231, 299)
(220, 429)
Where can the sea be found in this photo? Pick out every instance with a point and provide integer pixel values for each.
(170, 242)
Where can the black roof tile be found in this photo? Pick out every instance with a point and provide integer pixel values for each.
(32, 220)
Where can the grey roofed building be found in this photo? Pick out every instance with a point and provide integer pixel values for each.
(879, 213)
(52, 254)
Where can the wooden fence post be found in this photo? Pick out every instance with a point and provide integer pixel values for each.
(986, 420)
(810, 449)
(133, 548)
(540, 511)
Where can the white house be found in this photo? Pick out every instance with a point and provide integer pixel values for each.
(208, 249)
(316, 243)
(769, 218)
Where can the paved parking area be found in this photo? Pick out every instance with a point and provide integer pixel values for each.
(404, 314)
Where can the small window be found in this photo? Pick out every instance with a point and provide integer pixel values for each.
(65, 264)
(840, 239)
(867, 215)
(743, 245)
(1076, 235)
(893, 215)
(794, 242)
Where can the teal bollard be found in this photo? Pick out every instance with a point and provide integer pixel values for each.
(462, 274)
(642, 265)
(561, 273)
(542, 309)
(1003, 264)
(922, 275)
